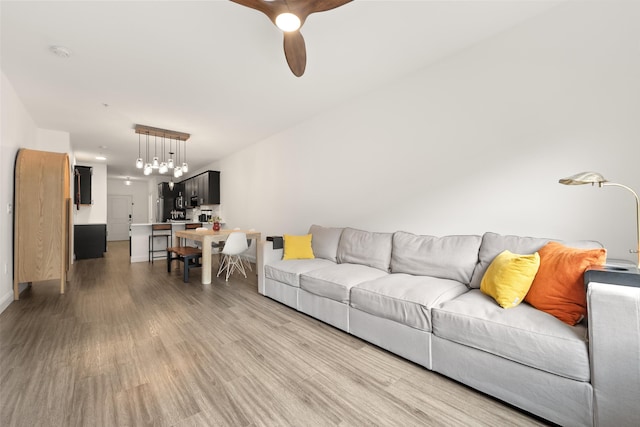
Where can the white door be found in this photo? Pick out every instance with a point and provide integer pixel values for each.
(119, 211)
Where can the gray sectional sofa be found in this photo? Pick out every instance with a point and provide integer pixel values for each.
(419, 297)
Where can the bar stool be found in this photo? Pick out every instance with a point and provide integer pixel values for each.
(190, 226)
(159, 231)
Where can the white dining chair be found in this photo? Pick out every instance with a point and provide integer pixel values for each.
(235, 245)
(245, 255)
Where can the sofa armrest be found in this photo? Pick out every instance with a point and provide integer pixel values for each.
(614, 343)
(267, 256)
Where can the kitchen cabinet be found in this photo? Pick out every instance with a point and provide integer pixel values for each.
(205, 186)
(89, 240)
(82, 185)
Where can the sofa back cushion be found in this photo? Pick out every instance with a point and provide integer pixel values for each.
(493, 244)
(448, 257)
(325, 241)
(366, 248)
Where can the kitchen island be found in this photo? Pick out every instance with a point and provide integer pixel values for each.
(139, 239)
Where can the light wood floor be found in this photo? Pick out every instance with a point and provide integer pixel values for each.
(130, 345)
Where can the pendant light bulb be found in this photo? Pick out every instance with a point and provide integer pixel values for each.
(170, 160)
(156, 163)
(185, 167)
(171, 184)
(148, 169)
(163, 167)
(139, 161)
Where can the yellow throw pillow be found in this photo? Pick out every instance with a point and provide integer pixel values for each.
(509, 277)
(297, 247)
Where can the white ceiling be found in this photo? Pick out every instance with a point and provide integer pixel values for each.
(216, 69)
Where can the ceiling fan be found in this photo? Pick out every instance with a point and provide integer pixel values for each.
(289, 16)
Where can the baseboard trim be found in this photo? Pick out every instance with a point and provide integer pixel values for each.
(6, 300)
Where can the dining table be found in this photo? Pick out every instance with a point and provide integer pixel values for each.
(206, 237)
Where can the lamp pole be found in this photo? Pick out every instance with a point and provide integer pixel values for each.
(613, 184)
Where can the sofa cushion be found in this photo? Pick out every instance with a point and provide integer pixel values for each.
(297, 247)
(448, 257)
(521, 334)
(493, 243)
(335, 282)
(559, 288)
(405, 298)
(325, 241)
(366, 248)
(288, 271)
(509, 277)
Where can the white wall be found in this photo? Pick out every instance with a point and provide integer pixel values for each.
(474, 143)
(18, 130)
(97, 212)
(138, 191)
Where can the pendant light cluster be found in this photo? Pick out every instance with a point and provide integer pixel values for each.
(165, 161)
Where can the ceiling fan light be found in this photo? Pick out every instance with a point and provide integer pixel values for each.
(139, 163)
(288, 22)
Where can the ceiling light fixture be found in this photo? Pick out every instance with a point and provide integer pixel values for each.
(128, 181)
(167, 163)
(147, 165)
(288, 22)
(139, 161)
(164, 168)
(177, 171)
(155, 163)
(170, 160)
(185, 166)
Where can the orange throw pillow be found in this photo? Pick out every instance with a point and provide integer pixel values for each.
(558, 287)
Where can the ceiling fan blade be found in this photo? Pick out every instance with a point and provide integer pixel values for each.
(264, 7)
(309, 7)
(295, 52)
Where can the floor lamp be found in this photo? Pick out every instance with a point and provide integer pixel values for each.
(595, 178)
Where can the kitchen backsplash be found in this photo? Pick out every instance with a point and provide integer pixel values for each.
(214, 210)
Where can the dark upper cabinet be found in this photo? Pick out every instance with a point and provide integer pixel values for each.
(205, 187)
(213, 188)
(82, 185)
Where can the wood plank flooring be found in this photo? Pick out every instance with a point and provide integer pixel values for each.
(131, 345)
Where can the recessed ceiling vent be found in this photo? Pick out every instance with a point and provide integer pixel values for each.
(60, 51)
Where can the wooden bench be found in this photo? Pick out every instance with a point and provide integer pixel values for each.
(189, 255)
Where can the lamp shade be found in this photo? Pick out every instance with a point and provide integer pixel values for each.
(583, 178)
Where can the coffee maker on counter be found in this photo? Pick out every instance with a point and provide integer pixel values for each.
(205, 215)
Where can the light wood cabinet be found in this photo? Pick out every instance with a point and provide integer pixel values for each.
(42, 218)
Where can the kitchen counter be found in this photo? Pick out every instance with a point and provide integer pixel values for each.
(139, 239)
